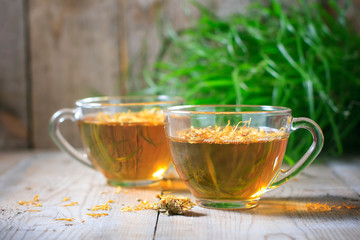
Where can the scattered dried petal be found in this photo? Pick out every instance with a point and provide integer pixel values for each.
(37, 204)
(36, 198)
(118, 190)
(127, 209)
(171, 204)
(349, 207)
(65, 219)
(25, 202)
(96, 215)
(317, 207)
(70, 204)
(105, 206)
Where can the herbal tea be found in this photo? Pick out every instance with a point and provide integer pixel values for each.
(127, 146)
(228, 163)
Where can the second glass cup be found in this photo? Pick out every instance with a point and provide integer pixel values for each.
(228, 156)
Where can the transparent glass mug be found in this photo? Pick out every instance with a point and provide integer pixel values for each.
(123, 137)
(229, 155)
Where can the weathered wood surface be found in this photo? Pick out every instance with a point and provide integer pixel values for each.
(282, 213)
(78, 49)
(74, 48)
(13, 78)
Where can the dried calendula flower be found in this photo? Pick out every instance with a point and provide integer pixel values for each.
(172, 204)
(105, 206)
(318, 207)
(65, 219)
(65, 199)
(118, 190)
(349, 207)
(25, 202)
(153, 115)
(127, 209)
(35, 202)
(70, 204)
(229, 134)
(96, 215)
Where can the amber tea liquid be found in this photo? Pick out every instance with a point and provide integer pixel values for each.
(126, 151)
(229, 170)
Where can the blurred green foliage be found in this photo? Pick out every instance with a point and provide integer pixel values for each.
(302, 57)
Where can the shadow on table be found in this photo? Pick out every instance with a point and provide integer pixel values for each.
(321, 206)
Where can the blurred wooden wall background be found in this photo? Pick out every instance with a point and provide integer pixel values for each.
(55, 52)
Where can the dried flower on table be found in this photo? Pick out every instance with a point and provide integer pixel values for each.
(172, 204)
(35, 202)
(70, 204)
(118, 190)
(349, 207)
(65, 219)
(96, 215)
(105, 206)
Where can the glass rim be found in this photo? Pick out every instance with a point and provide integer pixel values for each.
(158, 100)
(267, 109)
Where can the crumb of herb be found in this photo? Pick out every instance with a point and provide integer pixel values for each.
(170, 204)
(118, 190)
(105, 206)
(96, 215)
(35, 202)
(70, 204)
(65, 219)
(349, 207)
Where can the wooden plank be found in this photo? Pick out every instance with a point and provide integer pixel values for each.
(143, 26)
(74, 54)
(53, 177)
(13, 108)
(274, 217)
(348, 173)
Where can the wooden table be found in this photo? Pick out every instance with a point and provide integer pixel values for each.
(282, 213)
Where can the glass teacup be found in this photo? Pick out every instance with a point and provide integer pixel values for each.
(123, 137)
(229, 155)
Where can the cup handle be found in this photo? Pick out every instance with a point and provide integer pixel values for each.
(309, 156)
(54, 130)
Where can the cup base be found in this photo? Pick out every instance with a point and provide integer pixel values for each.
(227, 204)
(138, 183)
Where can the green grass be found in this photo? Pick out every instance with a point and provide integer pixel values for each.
(301, 57)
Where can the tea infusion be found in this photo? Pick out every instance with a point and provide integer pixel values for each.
(127, 146)
(228, 163)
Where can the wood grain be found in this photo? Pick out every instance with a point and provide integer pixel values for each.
(275, 218)
(54, 177)
(74, 46)
(13, 88)
(282, 213)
